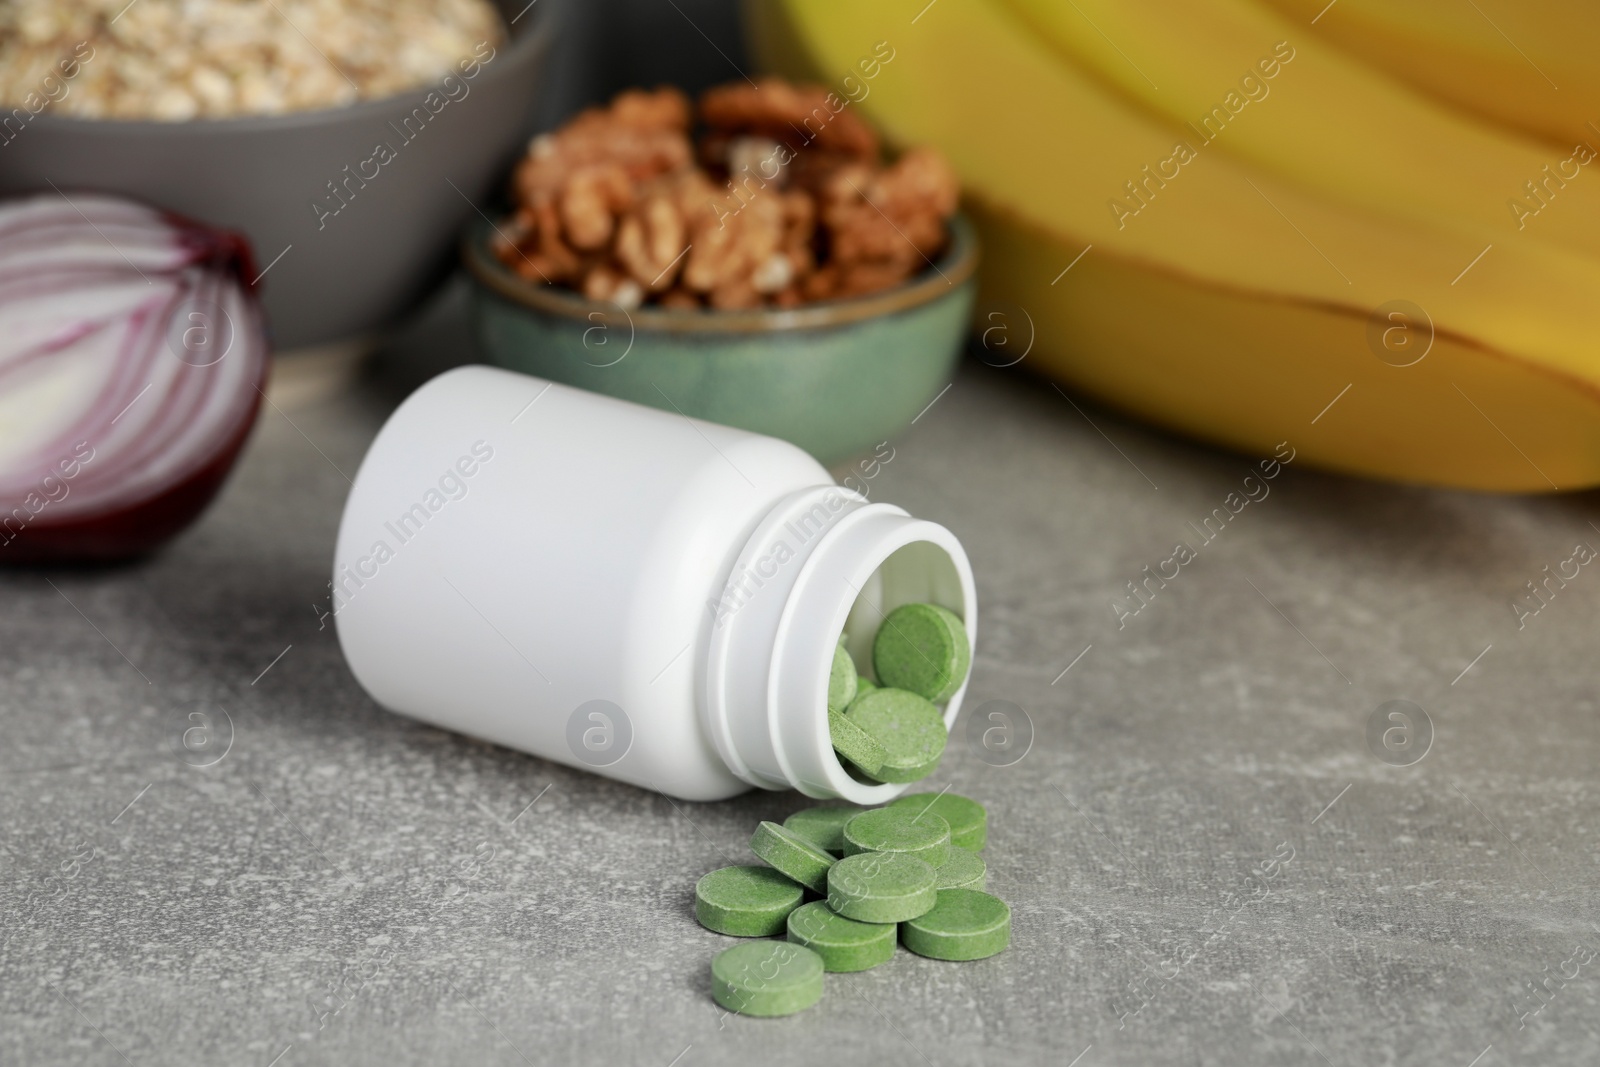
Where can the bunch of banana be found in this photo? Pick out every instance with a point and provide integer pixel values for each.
(1277, 241)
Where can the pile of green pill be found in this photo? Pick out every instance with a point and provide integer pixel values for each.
(893, 730)
(908, 872)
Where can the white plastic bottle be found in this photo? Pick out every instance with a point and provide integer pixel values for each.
(619, 588)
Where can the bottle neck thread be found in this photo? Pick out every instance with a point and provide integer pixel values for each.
(823, 561)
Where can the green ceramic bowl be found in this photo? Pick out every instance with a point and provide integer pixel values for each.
(835, 377)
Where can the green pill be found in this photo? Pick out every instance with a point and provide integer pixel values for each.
(855, 744)
(823, 827)
(909, 728)
(766, 978)
(746, 901)
(792, 855)
(864, 684)
(963, 870)
(899, 829)
(844, 944)
(922, 648)
(841, 680)
(965, 924)
(881, 887)
(969, 823)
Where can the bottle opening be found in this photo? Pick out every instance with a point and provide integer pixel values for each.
(769, 661)
(920, 572)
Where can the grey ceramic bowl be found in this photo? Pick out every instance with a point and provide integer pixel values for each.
(835, 377)
(341, 276)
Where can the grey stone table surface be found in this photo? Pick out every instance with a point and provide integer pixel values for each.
(1211, 858)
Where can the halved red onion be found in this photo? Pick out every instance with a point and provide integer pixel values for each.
(132, 358)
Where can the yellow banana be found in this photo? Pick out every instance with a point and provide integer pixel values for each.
(1235, 306)
(1247, 371)
(1529, 64)
(1238, 78)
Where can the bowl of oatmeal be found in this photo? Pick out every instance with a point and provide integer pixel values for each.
(349, 140)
